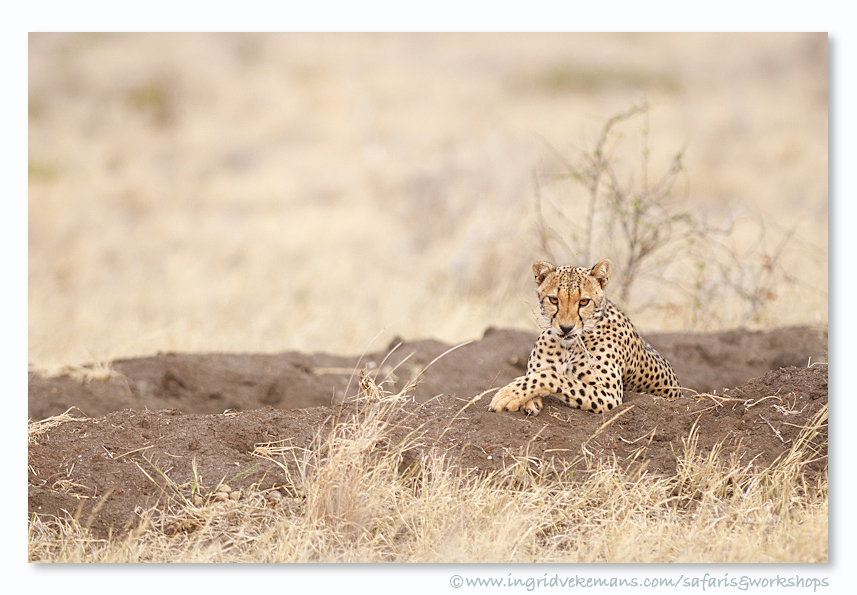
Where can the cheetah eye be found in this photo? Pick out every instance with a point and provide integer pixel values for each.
(584, 302)
(553, 300)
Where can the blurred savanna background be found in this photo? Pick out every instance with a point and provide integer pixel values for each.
(328, 192)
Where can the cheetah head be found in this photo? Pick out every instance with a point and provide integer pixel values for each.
(572, 298)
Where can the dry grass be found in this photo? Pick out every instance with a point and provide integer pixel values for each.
(350, 498)
(35, 429)
(269, 192)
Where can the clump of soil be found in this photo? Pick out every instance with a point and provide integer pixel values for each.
(204, 415)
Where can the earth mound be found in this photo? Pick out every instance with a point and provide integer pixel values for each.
(214, 383)
(178, 416)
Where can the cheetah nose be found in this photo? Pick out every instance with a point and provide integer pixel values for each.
(565, 329)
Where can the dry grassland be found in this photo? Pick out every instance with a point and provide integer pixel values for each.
(351, 502)
(251, 193)
(268, 192)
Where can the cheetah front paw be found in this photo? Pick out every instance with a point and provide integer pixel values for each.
(509, 398)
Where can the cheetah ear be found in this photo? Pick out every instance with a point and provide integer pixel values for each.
(542, 270)
(601, 272)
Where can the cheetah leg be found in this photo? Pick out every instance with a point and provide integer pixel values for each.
(596, 389)
(582, 390)
(516, 396)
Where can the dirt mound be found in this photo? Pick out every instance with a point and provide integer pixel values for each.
(214, 383)
(104, 469)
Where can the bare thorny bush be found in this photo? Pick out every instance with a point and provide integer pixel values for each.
(644, 224)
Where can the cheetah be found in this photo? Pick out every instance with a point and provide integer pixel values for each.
(589, 352)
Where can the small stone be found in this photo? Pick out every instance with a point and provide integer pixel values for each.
(235, 495)
(197, 500)
(220, 497)
(273, 498)
(224, 488)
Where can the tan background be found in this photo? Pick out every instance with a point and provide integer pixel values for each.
(200, 192)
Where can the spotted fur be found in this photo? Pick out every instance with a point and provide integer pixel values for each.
(589, 352)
